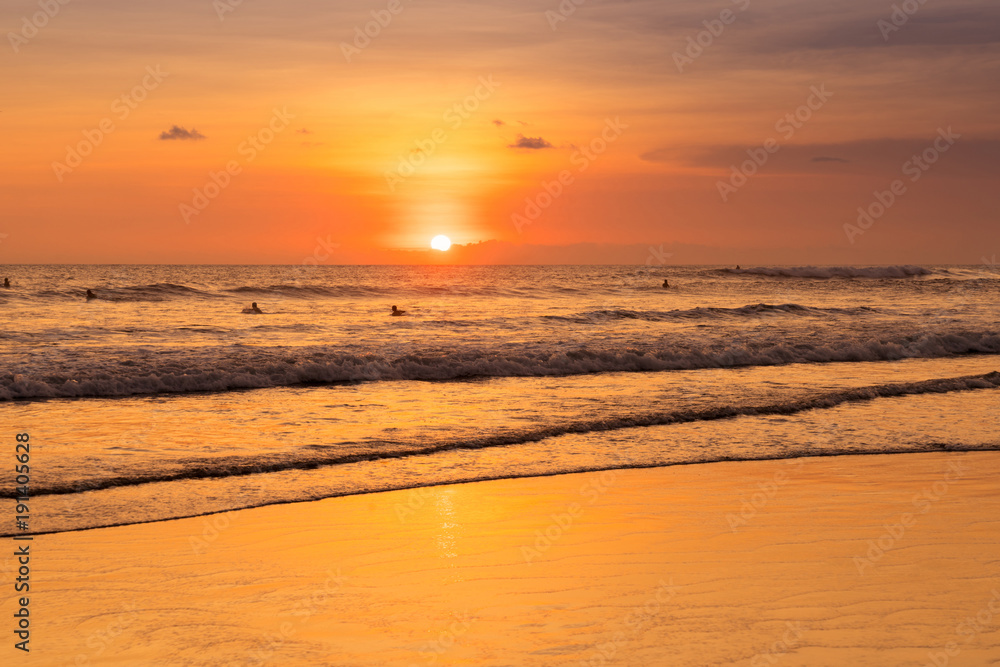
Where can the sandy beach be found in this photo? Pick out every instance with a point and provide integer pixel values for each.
(862, 560)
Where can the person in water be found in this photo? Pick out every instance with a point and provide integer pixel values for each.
(253, 309)
(737, 267)
(90, 295)
(6, 282)
(395, 311)
(666, 283)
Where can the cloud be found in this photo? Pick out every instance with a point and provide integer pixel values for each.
(499, 123)
(177, 132)
(530, 142)
(778, 27)
(970, 156)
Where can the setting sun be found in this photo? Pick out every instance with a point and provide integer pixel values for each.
(440, 242)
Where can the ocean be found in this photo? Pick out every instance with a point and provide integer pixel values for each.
(160, 398)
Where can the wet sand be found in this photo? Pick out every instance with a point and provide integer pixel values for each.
(861, 560)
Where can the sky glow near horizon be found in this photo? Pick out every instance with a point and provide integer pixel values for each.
(200, 132)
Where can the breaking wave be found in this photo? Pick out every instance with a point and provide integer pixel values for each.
(902, 271)
(752, 310)
(155, 292)
(113, 372)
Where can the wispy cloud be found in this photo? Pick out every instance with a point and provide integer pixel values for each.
(973, 156)
(177, 132)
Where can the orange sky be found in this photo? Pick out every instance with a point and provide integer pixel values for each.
(488, 102)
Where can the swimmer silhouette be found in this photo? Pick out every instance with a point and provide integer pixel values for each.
(253, 309)
(666, 283)
(397, 312)
(90, 295)
(6, 282)
(737, 267)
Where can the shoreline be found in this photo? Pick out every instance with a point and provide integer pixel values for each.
(694, 564)
(460, 482)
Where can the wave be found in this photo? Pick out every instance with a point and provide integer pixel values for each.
(751, 310)
(164, 291)
(290, 291)
(154, 292)
(397, 290)
(113, 374)
(966, 283)
(241, 466)
(901, 271)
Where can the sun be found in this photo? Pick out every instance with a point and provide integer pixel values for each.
(441, 242)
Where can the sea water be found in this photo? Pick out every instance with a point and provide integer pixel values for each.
(160, 398)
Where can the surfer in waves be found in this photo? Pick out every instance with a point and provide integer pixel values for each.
(253, 310)
(90, 295)
(6, 282)
(666, 284)
(396, 311)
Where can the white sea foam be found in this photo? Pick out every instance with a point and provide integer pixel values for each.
(116, 373)
(309, 458)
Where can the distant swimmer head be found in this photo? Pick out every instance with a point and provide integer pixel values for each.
(666, 283)
(737, 267)
(396, 311)
(6, 282)
(253, 309)
(90, 295)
